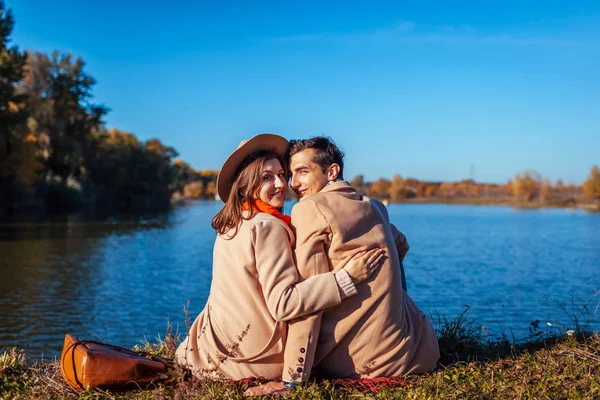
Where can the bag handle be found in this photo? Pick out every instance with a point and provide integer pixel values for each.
(62, 364)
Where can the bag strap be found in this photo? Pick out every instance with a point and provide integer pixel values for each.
(62, 365)
(164, 360)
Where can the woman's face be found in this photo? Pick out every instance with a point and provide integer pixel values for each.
(273, 183)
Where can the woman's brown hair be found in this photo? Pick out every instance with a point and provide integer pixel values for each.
(245, 187)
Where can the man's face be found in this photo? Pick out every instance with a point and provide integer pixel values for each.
(307, 177)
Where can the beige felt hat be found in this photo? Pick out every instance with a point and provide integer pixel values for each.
(263, 141)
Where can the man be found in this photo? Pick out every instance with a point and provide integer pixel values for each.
(379, 332)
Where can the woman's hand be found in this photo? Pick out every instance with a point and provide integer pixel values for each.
(362, 265)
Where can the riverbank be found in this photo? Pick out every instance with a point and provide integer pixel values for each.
(589, 206)
(566, 366)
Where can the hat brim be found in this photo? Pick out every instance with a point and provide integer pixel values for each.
(263, 141)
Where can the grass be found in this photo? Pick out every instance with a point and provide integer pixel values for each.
(545, 365)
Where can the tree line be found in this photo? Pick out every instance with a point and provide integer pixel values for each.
(527, 187)
(57, 155)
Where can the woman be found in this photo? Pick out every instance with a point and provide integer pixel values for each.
(241, 332)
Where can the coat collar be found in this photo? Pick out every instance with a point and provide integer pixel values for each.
(265, 216)
(338, 186)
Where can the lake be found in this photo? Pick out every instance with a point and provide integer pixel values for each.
(125, 281)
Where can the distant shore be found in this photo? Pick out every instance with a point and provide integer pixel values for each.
(589, 206)
(478, 201)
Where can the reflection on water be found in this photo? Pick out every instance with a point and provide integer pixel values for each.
(125, 281)
(511, 266)
(119, 281)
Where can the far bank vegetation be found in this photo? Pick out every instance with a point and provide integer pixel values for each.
(525, 189)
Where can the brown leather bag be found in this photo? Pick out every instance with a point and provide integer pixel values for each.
(89, 364)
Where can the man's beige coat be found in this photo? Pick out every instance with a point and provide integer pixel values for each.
(241, 333)
(379, 332)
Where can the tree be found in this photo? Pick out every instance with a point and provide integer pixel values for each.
(18, 165)
(591, 187)
(380, 189)
(447, 189)
(12, 62)
(545, 190)
(422, 189)
(526, 186)
(508, 189)
(431, 190)
(358, 183)
(63, 119)
(396, 187)
(184, 174)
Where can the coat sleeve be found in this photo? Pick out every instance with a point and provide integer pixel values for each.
(312, 239)
(285, 297)
(313, 235)
(402, 247)
(400, 241)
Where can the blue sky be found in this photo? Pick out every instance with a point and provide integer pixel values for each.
(421, 88)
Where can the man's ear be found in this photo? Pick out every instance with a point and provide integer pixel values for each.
(333, 171)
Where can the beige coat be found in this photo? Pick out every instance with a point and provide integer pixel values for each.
(241, 333)
(378, 332)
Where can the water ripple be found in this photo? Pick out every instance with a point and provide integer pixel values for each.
(125, 281)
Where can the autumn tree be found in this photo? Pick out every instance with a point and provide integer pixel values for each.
(358, 183)
(184, 174)
(12, 62)
(380, 189)
(421, 189)
(446, 189)
(63, 118)
(431, 190)
(526, 185)
(591, 187)
(396, 189)
(55, 149)
(18, 164)
(130, 175)
(545, 190)
(508, 189)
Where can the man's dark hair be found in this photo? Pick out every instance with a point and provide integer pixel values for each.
(326, 152)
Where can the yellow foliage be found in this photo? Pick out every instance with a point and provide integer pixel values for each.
(380, 189)
(546, 190)
(591, 187)
(211, 188)
(527, 185)
(209, 173)
(193, 190)
(13, 107)
(430, 190)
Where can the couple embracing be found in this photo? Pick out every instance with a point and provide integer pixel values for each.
(319, 293)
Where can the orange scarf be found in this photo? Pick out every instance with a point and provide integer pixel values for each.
(261, 206)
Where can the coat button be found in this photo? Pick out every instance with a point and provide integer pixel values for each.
(299, 369)
(302, 350)
(300, 359)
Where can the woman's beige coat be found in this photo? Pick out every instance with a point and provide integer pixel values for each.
(241, 333)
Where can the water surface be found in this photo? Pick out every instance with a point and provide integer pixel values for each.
(126, 281)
